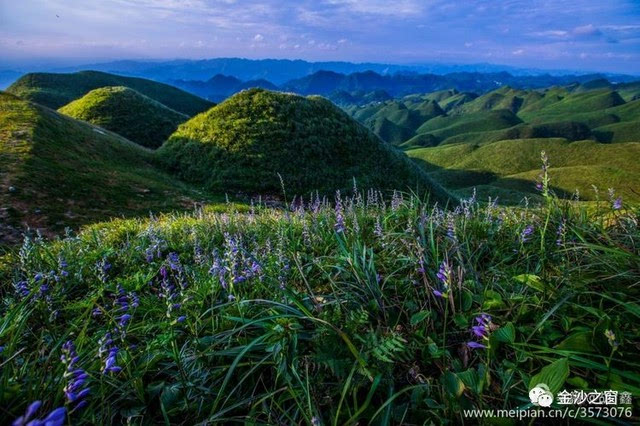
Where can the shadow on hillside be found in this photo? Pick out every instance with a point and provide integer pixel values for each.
(509, 191)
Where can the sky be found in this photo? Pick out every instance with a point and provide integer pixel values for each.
(593, 35)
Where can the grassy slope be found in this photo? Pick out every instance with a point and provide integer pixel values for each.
(245, 142)
(127, 113)
(56, 90)
(68, 173)
(325, 327)
(575, 165)
(571, 113)
(445, 127)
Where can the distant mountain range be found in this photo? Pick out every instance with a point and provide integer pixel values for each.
(277, 71)
(364, 87)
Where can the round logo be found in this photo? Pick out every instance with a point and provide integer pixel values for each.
(541, 396)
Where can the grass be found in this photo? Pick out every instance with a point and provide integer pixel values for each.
(323, 314)
(576, 165)
(127, 113)
(57, 90)
(57, 172)
(256, 138)
(446, 127)
(576, 112)
(628, 131)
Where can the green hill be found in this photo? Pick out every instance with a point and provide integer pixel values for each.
(246, 141)
(127, 113)
(575, 103)
(451, 125)
(56, 90)
(628, 131)
(515, 165)
(593, 110)
(56, 172)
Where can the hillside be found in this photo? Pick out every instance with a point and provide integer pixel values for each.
(127, 113)
(57, 172)
(56, 90)
(575, 112)
(509, 169)
(245, 142)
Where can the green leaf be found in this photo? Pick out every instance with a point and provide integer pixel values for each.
(553, 375)
(170, 395)
(579, 342)
(532, 281)
(492, 300)
(473, 379)
(467, 300)
(418, 317)
(506, 333)
(453, 384)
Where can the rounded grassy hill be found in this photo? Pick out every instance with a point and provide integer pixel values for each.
(243, 144)
(55, 90)
(57, 172)
(127, 113)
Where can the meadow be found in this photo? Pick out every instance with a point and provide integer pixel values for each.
(366, 308)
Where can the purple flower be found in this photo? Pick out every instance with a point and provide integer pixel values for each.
(181, 318)
(526, 233)
(124, 320)
(54, 418)
(76, 389)
(103, 270)
(561, 233)
(110, 364)
(617, 203)
(444, 275)
(22, 288)
(481, 331)
(451, 231)
(377, 231)
(174, 261)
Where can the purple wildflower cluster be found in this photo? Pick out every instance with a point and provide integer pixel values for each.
(444, 275)
(108, 352)
(173, 287)
(76, 389)
(156, 245)
(54, 418)
(122, 306)
(396, 200)
(616, 202)
(561, 233)
(451, 230)
(103, 268)
(235, 265)
(481, 331)
(282, 264)
(526, 233)
(43, 281)
(339, 226)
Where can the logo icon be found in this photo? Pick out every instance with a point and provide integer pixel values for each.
(541, 396)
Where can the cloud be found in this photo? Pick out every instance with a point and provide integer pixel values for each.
(258, 38)
(379, 7)
(589, 30)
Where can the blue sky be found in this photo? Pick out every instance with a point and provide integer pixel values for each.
(580, 34)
